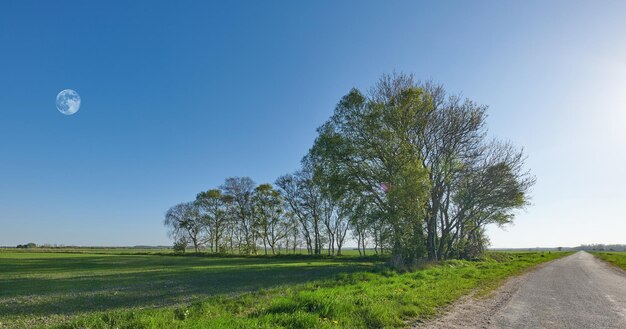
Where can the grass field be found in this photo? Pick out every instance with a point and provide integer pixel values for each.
(108, 290)
(616, 258)
(153, 251)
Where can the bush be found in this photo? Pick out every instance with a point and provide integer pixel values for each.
(27, 246)
(180, 246)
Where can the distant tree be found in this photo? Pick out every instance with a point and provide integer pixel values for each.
(269, 216)
(305, 201)
(185, 224)
(239, 190)
(293, 235)
(214, 209)
(380, 233)
(180, 245)
(231, 232)
(333, 216)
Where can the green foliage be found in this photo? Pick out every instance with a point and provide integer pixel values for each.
(406, 167)
(185, 224)
(407, 197)
(27, 246)
(180, 246)
(408, 159)
(268, 216)
(366, 152)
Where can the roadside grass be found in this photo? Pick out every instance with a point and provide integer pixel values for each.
(372, 297)
(616, 258)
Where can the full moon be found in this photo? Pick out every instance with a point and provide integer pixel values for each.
(68, 102)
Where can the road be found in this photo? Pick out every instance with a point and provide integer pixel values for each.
(577, 291)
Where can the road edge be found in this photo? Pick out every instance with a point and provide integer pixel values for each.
(613, 267)
(475, 309)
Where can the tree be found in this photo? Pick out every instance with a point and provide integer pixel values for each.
(268, 214)
(180, 245)
(184, 224)
(452, 139)
(214, 208)
(467, 172)
(292, 234)
(404, 166)
(340, 226)
(366, 150)
(361, 220)
(239, 190)
(416, 163)
(306, 202)
(489, 192)
(332, 210)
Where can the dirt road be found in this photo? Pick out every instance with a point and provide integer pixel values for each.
(578, 291)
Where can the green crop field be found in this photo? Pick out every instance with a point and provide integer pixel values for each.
(109, 290)
(616, 258)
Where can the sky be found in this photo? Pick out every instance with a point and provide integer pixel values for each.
(177, 96)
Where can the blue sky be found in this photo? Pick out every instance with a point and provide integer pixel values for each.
(178, 96)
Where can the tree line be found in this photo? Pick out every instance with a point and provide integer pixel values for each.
(405, 167)
(245, 218)
(601, 247)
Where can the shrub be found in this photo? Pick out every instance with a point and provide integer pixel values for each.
(180, 246)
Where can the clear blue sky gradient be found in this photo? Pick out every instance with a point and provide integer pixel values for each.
(176, 96)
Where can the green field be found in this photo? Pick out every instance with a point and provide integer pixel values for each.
(616, 258)
(108, 290)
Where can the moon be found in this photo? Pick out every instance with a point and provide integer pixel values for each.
(68, 102)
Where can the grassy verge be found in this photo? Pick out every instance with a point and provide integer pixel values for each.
(616, 258)
(380, 298)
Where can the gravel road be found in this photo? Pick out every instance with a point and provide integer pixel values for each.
(577, 291)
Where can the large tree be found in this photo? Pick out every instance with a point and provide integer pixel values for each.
(421, 159)
(405, 166)
(367, 149)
